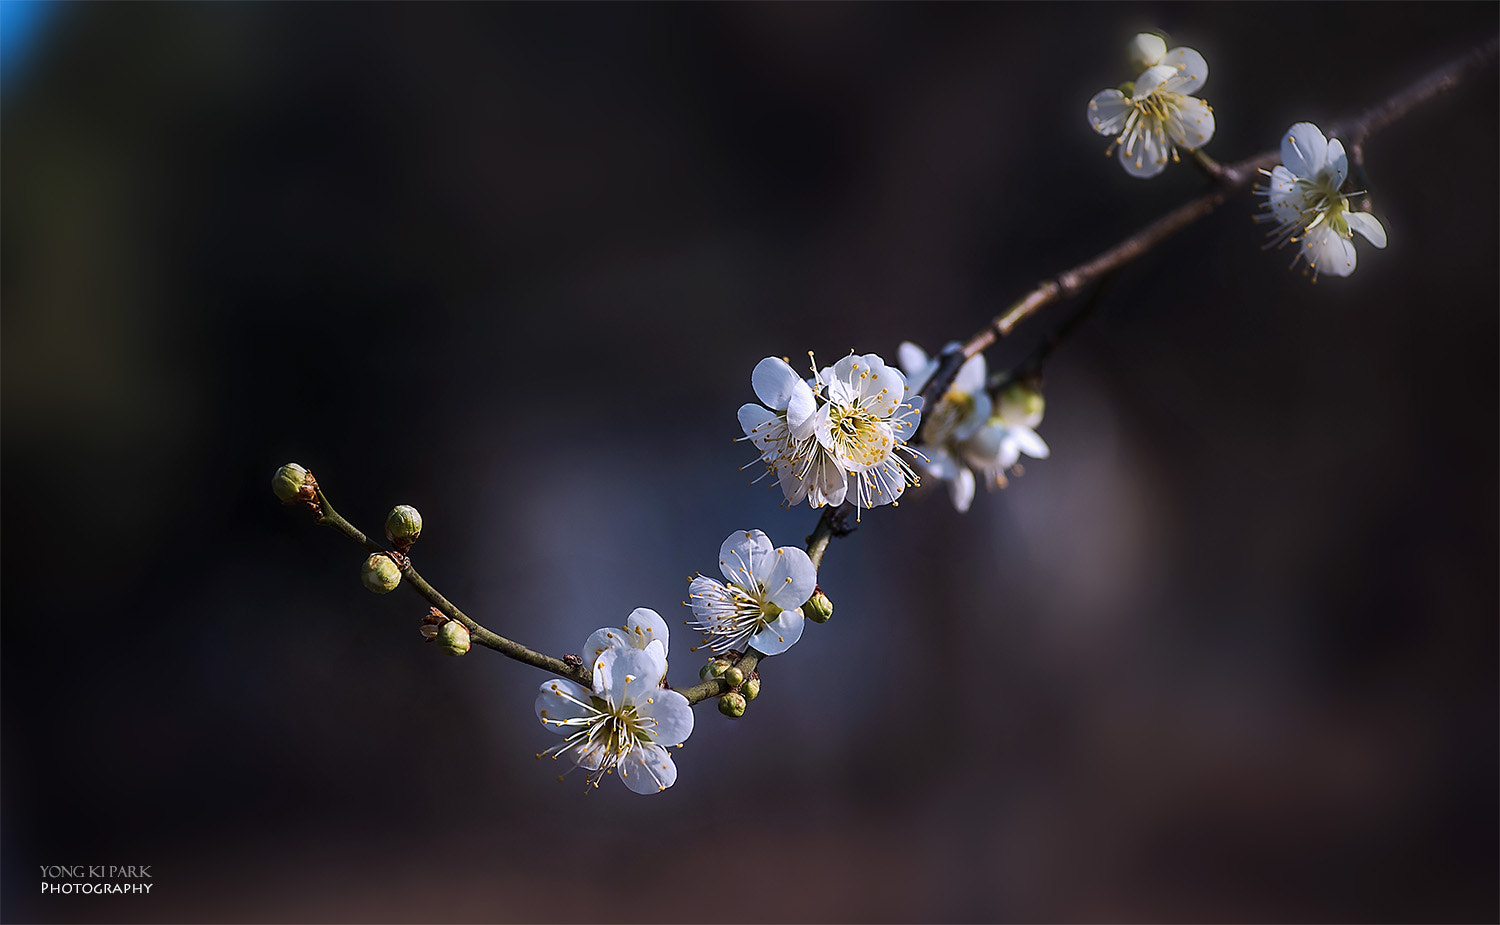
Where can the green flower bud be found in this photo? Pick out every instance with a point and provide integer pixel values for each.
(453, 637)
(732, 705)
(715, 669)
(380, 574)
(751, 688)
(1021, 405)
(292, 483)
(403, 525)
(734, 676)
(818, 607)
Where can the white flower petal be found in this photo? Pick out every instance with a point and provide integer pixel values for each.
(601, 639)
(602, 667)
(779, 634)
(774, 381)
(961, 490)
(1193, 124)
(971, 376)
(983, 408)
(940, 463)
(559, 699)
(1367, 225)
(1327, 251)
(673, 716)
(744, 553)
(1146, 50)
(1146, 159)
(1285, 200)
(880, 387)
(799, 410)
(648, 769)
(1190, 67)
(1107, 113)
(791, 579)
(1338, 163)
(1150, 80)
(1028, 442)
(634, 674)
(644, 626)
(913, 359)
(1304, 150)
(764, 428)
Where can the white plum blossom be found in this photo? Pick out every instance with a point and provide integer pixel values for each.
(862, 425)
(625, 722)
(1156, 114)
(644, 628)
(784, 434)
(953, 421)
(1303, 198)
(761, 605)
(997, 446)
(836, 438)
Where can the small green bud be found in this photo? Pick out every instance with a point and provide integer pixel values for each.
(380, 574)
(453, 637)
(734, 676)
(1021, 405)
(403, 525)
(292, 483)
(818, 607)
(1145, 50)
(732, 705)
(751, 688)
(715, 669)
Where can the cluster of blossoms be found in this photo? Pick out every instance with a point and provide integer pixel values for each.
(1303, 198)
(968, 432)
(627, 720)
(761, 604)
(1154, 115)
(836, 437)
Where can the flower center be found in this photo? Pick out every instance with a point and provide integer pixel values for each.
(858, 434)
(951, 412)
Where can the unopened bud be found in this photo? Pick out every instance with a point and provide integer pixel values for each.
(380, 574)
(732, 705)
(453, 638)
(715, 669)
(1144, 51)
(403, 525)
(818, 607)
(734, 677)
(1021, 405)
(751, 688)
(292, 483)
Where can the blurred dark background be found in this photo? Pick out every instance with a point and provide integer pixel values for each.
(1229, 655)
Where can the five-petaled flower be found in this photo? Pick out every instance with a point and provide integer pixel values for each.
(625, 722)
(1303, 198)
(761, 605)
(836, 438)
(1156, 114)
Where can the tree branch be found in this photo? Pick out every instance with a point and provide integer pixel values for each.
(1226, 181)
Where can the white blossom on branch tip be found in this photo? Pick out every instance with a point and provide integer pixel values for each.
(625, 723)
(1304, 199)
(761, 603)
(1156, 114)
